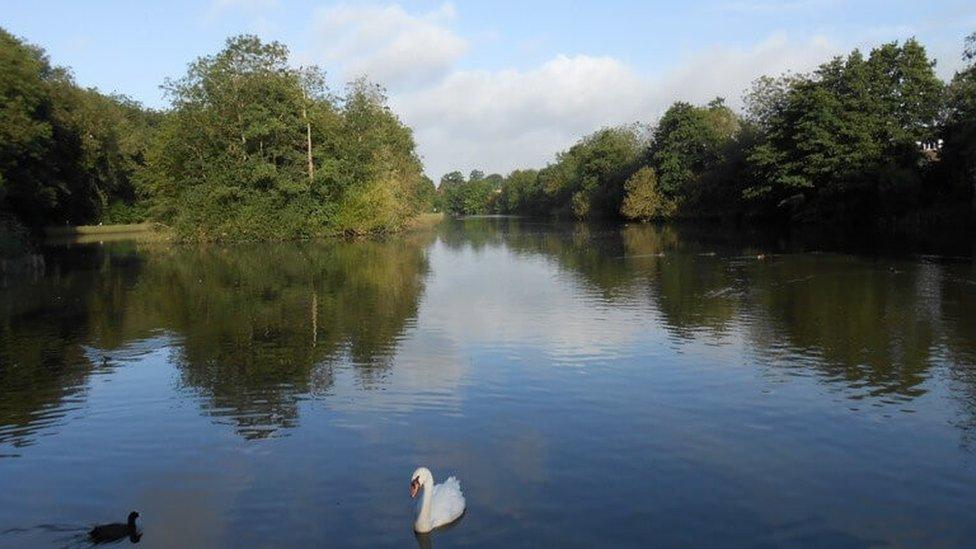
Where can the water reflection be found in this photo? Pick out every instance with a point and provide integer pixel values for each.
(255, 327)
(876, 324)
(43, 324)
(262, 326)
(259, 328)
(563, 371)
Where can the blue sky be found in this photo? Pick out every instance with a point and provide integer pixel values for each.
(494, 85)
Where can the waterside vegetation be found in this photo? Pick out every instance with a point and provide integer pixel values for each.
(251, 148)
(254, 148)
(873, 139)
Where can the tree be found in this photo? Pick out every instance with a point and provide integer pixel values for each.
(427, 195)
(66, 153)
(690, 140)
(451, 192)
(643, 200)
(959, 130)
(382, 176)
(254, 149)
(844, 138)
(587, 180)
(476, 195)
(521, 193)
(26, 130)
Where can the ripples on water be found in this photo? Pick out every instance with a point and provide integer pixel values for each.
(590, 386)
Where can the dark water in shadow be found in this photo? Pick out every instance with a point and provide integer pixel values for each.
(589, 386)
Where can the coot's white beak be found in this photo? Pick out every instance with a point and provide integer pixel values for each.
(414, 487)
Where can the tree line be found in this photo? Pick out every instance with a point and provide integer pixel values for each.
(251, 148)
(876, 138)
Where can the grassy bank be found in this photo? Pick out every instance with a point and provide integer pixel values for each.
(86, 234)
(424, 221)
(81, 230)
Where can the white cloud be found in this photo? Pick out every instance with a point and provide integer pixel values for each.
(386, 43)
(728, 72)
(500, 120)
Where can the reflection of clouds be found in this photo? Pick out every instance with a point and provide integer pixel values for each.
(426, 373)
(497, 298)
(493, 300)
(197, 509)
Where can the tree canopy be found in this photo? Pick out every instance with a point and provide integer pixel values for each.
(254, 147)
(67, 154)
(251, 148)
(858, 140)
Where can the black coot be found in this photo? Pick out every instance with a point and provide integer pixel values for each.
(104, 533)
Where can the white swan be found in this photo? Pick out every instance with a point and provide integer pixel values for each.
(441, 504)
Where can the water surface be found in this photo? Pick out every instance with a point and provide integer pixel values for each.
(590, 386)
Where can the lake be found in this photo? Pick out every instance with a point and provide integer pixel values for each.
(589, 386)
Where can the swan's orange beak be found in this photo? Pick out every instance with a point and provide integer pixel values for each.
(414, 487)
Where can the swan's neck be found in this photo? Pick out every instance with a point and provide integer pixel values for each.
(423, 518)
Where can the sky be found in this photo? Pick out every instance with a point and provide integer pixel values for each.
(494, 85)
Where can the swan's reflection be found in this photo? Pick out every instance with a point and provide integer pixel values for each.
(423, 540)
(426, 541)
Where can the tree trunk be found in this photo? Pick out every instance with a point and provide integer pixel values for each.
(240, 124)
(315, 317)
(308, 137)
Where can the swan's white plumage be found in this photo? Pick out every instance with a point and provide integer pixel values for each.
(448, 502)
(440, 504)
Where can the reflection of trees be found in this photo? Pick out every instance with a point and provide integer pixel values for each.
(691, 290)
(868, 326)
(258, 326)
(261, 326)
(43, 324)
(619, 263)
(591, 252)
(958, 297)
(873, 325)
(40, 366)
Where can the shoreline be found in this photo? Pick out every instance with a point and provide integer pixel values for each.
(151, 231)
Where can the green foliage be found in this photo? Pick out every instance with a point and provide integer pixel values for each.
(254, 149)
(690, 141)
(427, 195)
(959, 131)
(522, 193)
(839, 144)
(65, 152)
(587, 181)
(830, 137)
(591, 179)
(122, 213)
(477, 195)
(643, 200)
(251, 149)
